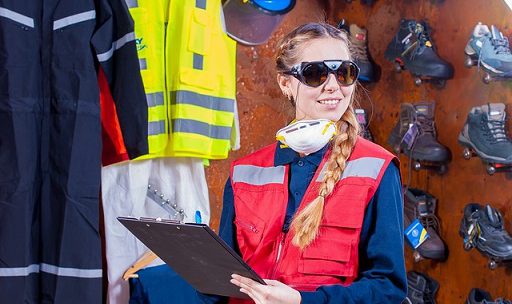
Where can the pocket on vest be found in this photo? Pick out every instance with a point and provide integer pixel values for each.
(249, 233)
(328, 257)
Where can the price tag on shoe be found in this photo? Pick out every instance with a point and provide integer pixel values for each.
(416, 234)
(410, 136)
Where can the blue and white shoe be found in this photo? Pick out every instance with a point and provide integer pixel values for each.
(490, 50)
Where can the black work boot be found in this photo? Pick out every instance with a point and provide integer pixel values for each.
(359, 49)
(425, 146)
(480, 296)
(485, 133)
(362, 119)
(413, 48)
(422, 205)
(482, 227)
(421, 289)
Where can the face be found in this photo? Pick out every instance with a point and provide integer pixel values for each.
(329, 100)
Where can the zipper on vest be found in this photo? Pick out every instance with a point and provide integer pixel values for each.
(279, 252)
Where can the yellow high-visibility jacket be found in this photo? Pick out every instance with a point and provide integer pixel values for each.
(188, 68)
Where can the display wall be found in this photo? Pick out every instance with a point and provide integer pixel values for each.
(263, 110)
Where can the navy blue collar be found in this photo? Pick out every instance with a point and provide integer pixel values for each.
(284, 156)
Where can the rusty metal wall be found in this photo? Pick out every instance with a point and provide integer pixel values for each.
(263, 110)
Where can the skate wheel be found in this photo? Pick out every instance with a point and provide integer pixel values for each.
(467, 153)
(468, 62)
(398, 67)
(487, 78)
(417, 81)
(439, 83)
(492, 264)
(417, 256)
(417, 165)
(491, 169)
(468, 246)
(442, 169)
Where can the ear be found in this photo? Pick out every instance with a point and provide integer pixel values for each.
(284, 84)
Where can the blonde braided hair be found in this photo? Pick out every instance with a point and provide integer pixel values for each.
(306, 223)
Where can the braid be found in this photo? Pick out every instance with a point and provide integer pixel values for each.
(306, 224)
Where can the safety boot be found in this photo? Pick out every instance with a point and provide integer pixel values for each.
(422, 205)
(484, 132)
(421, 289)
(359, 48)
(412, 49)
(490, 50)
(482, 227)
(424, 147)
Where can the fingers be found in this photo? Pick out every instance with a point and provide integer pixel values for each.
(272, 282)
(250, 287)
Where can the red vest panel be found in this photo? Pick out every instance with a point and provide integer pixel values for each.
(261, 197)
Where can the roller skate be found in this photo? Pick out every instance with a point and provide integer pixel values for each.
(484, 135)
(489, 50)
(482, 227)
(362, 119)
(421, 205)
(415, 135)
(480, 296)
(369, 70)
(421, 289)
(413, 50)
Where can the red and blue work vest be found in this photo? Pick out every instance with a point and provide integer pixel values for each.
(261, 197)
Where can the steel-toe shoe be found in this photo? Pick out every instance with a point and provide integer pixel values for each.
(421, 205)
(485, 133)
(425, 145)
(482, 227)
(421, 289)
(359, 49)
(412, 47)
(490, 50)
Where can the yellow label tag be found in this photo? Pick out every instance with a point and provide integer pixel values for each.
(428, 44)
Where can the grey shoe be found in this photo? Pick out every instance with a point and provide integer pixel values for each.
(485, 133)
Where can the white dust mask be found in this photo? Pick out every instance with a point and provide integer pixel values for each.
(307, 136)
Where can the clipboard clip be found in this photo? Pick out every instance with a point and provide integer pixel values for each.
(175, 213)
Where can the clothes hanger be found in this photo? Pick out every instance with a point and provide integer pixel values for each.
(149, 256)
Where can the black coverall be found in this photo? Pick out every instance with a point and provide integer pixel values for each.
(50, 141)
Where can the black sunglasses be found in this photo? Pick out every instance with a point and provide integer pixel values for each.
(315, 73)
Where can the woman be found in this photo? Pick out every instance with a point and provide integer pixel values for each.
(318, 214)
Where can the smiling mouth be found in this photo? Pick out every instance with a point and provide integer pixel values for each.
(329, 101)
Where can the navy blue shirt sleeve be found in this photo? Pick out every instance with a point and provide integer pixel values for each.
(382, 276)
(227, 233)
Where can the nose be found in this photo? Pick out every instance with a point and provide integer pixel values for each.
(331, 84)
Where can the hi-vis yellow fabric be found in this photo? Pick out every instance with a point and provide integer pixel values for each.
(188, 67)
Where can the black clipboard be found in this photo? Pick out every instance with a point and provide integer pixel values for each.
(195, 252)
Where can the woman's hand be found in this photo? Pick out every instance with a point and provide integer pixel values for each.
(274, 292)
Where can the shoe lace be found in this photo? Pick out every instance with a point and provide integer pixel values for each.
(425, 124)
(496, 131)
(499, 301)
(429, 221)
(359, 50)
(501, 46)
